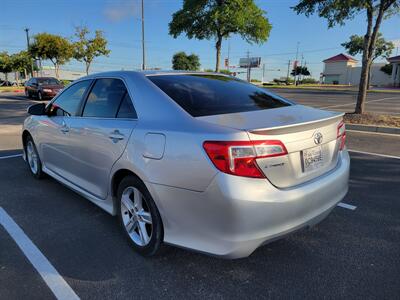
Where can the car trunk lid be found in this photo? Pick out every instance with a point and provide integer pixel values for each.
(309, 135)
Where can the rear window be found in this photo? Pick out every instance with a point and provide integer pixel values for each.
(48, 81)
(205, 95)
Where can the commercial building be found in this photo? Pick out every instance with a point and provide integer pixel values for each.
(344, 69)
(395, 78)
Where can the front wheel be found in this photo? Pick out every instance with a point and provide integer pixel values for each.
(32, 159)
(139, 216)
(40, 96)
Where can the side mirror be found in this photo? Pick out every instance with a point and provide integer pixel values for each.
(37, 109)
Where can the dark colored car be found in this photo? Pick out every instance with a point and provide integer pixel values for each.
(42, 87)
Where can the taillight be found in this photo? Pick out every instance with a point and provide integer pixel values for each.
(239, 157)
(341, 134)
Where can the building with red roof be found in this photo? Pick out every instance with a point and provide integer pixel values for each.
(344, 69)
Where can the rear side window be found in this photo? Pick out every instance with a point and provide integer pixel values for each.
(126, 110)
(106, 98)
(69, 101)
(204, 95)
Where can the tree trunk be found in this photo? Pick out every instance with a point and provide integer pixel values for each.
(369, 76)
(218, 48)
(87, 68)
(369, 45)
(56, 69)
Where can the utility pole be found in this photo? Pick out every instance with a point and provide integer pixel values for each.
(288, 71)
(143, 50)
(301, 65)
(27, 46)
(229, 50)
(263, 74)
(297, 54)
(248, 66)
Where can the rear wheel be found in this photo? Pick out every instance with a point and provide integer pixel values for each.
(32, 159)
(139, 216)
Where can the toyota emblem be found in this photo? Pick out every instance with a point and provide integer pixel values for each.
(318, 138)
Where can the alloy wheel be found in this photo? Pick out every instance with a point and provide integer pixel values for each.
(32, 157)
(136, 216)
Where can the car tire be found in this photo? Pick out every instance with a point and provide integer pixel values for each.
(27, 94)
(40, 96)
(32, 159)
(138, 216)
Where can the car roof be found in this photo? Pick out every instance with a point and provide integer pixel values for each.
(151, 73)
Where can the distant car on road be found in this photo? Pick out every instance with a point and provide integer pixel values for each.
(204, 161)
(42, 87)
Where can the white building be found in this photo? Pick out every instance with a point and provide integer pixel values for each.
(395, 62)
(343, 69)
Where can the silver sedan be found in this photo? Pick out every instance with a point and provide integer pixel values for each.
(203, 161)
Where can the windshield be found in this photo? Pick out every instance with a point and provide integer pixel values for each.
(210, 94)
(48, 81)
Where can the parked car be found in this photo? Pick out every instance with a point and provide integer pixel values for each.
(203, 161)
(42, 87)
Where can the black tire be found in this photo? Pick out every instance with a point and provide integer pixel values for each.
(36, 170)
(157, 232)
(27, 94)
(40, 96)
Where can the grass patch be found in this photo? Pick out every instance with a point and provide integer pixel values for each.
(372, 119)
(11, 88)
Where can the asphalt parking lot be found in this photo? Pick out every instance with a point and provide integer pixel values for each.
(353, 253)
(381, 102)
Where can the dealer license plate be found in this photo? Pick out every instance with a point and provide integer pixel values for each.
(312, 159)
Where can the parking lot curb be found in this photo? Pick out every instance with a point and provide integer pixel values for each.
(376, 129)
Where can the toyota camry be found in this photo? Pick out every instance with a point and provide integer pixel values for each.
(198, 160)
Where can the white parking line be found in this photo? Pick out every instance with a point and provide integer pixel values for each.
(349, 104)
(53, 279)
(10, 156)
(375, 154)
(376, 133)
(348, 206)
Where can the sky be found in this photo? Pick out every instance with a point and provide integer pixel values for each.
(121, 22)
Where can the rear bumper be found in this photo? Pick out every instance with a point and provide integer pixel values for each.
(48, 94)
(235, 215)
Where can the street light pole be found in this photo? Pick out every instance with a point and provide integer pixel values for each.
(28, 45)
(296, 62)
(143, 50)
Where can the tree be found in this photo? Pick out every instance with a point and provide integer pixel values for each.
(181, 61)
(55, 48)
(382, 49)
(337, 12)
(21, 62)
(300, 71)
(6, 64)
(387, 69)
(219, 19)
(86, 49)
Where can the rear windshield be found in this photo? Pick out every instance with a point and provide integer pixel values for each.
(205, 95)
(48, 81)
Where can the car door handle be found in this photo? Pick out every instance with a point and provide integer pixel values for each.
(116, 136)
(64, 128)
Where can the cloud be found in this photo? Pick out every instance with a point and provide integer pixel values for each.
(119, 10)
